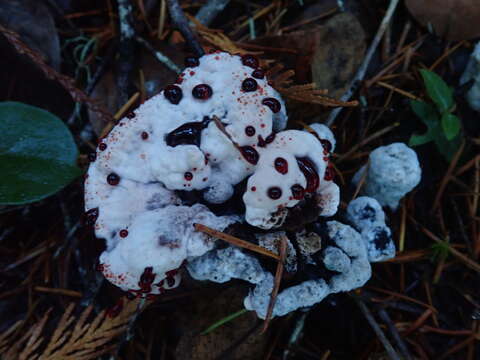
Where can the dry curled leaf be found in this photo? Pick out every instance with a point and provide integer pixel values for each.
(451, 19)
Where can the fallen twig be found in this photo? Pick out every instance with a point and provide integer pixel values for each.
(278, 278)
(376, 328)
(181, 22)
(235, 241)
(158, 55)
(368, 57)
(67, 82)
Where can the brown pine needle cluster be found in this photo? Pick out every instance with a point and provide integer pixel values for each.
(282, 82)
(75, 338)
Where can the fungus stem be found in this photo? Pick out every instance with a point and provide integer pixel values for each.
(235, 241)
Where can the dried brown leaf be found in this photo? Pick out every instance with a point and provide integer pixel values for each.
(452, 19)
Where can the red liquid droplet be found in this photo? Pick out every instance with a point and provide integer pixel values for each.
(250, 130)
(327, 145)
(146, 280)
(188, 176)
(258, 73)
(173, 93)
(250, 61)
(131, 115)
(253, 188)
(274, 193)
(102, 146)
(272, 103)
(249, 85)
(113, 179)
(250, 154)
(123, 233)
(187, 134)
(144, 135)
(310, 173)
(270, 138)
(298, 192)
(281, 165)
(329, 173)
(202, 92)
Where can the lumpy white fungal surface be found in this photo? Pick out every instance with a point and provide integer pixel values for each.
(219, 125)
(366, 215)
(472, 72)
(393, 171)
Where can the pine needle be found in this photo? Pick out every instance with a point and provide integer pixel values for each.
(75, 338)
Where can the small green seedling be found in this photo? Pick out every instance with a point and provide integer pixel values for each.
(443, 127)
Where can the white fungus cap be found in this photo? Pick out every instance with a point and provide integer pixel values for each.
(270, 188)
(393, 171)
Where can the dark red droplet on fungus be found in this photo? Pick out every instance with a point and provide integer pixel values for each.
(249, 154)
(250, 130)
(272, 103)
(327, 145)
(102, 146)
(91, 216)
(146, 280)
(261, 141)
(329, 173)
(253, 188)
(92, 156)
(249, 85)
(173, 93)
(250, 61)
(308, 169)
(191, 61)
(170, 281)
(202, 92)
(187, 134)
(281, 165)
(188, 176)
(270, 138)
(274, 193)
(123, 233)
(113, 179)
(258, 74)
(144, 135)
(131, 115)
(298, 191)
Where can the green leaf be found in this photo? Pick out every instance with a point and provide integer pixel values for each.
(450, 125)
(37, 154)
(416, 140)
(440, 93)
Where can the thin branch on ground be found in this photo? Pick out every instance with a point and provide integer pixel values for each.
(376, 328)
(165, 60)
(210, 10)
(368, 57)
(126, 51)
(182, 24)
